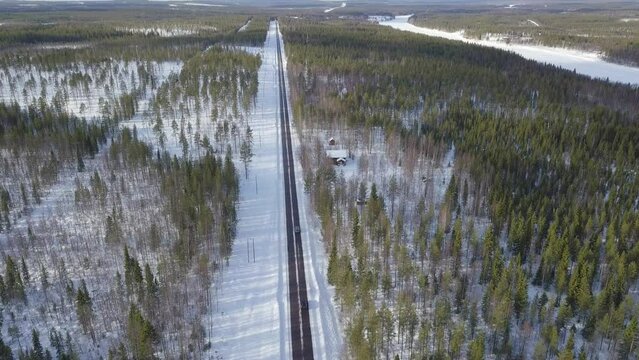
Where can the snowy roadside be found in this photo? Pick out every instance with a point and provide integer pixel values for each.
(586, 63)
(250, 319)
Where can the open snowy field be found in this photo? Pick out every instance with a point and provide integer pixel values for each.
(590, 64)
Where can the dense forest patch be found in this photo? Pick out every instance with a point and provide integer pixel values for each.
(533, 249)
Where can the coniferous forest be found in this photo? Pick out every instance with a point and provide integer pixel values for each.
(480, 205)
(492, 210)
(117, 179)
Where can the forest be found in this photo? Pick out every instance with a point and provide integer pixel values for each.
(119, 179)
(489, 204)
(612, 30)
(488, 207)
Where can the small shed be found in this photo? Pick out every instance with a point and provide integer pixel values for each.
(332, 142)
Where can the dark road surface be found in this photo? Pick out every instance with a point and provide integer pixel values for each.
(301, 339)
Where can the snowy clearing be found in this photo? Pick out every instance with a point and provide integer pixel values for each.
(586, 63)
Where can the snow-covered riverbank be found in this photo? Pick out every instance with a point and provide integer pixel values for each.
(591, 64)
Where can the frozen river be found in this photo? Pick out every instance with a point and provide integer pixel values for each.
(591, 64)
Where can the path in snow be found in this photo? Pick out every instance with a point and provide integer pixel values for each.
(251, 320)
(337, 7)
(534, 23)
(591, 64)
(245, 26)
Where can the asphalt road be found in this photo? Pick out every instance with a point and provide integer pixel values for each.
(301, 339)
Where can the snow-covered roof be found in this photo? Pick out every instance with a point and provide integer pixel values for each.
(336, 154)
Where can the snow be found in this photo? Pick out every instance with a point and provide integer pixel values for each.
(337, 153)
(245, 26)
(167, 32)
(252, 315)
(203, 4)
(586, 63)
(534, 23)
(334, 8)
(109, 80)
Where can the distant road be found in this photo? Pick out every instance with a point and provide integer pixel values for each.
(301, 339)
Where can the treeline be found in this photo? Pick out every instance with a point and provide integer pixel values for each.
(56, 43)
(546, 158)
(609, 30)
(34, 126)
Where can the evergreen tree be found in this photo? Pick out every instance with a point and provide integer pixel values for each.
(476, 349)
(333, 264)
(37, 352)
(84, 308)
(14, 288)
(141, 334)
(5, 351)
(629, 339)
(25, 271)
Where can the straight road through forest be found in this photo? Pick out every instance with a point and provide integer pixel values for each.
(301, 338)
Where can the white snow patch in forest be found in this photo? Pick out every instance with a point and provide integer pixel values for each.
(586, 63)
(203, 4)
(73, 46)
(166, 32)
(83, 90)
(245, 26)
(334, 8)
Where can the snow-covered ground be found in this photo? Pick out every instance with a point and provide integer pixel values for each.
(334, 8)
(586, 63)
(534, 23)
(85, 88)
(251, 320)
(245, 26)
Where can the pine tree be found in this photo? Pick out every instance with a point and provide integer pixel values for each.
(629, 340)
(84, 308)
(567, 353)
(38, 352)
(457, 245)
(5, 351)
(333, 264)
(488, 254)
(520, 299)
(14, 287)
(476, 349)
(141, 334)
(132, 273)
(25, 271)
